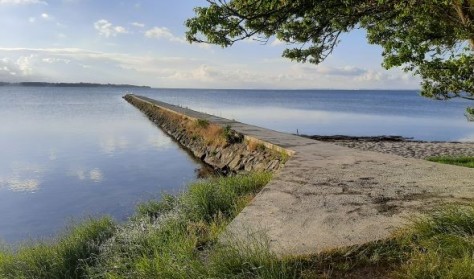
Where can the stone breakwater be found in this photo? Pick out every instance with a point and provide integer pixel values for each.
(233, 154)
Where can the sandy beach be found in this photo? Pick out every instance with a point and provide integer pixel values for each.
(403, 147)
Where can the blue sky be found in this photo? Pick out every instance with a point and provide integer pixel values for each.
(142, 42)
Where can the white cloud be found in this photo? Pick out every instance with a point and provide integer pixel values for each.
(51, 60)
(46, 18)
(107, 29)
(383, 75)
(163, 33)
(21, 2)
(25, 64)
(277, 42)
(371, 76)
(8, 69)
(138, 24)
(283, 76)
(67, 64)
(333, 71)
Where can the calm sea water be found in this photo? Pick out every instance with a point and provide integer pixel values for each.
(70, 153)
(330, 112)
(67, 153)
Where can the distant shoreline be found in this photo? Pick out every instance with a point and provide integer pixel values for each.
(67, 84)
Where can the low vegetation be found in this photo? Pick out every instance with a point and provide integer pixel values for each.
(255, 146)
(68, 256)
(458, 161)
(212, 134)
(178, 237)
(470, 110)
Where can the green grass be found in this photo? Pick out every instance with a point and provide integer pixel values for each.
(458, 161)
(178, 237)
(442, 245)
(202, 123)
(68, 256)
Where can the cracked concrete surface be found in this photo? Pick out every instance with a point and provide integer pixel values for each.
(329, 196)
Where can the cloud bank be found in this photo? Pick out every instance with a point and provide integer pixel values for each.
(76, 65)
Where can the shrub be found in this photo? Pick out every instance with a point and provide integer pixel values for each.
(202, 123)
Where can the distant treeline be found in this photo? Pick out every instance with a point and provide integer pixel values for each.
(64, 84)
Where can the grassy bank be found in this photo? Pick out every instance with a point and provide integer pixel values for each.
(177, 237)
(458, 161)
(69, 256)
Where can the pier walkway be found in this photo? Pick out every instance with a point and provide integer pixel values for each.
(328, 196)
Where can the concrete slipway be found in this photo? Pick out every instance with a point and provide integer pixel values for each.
(329, 196)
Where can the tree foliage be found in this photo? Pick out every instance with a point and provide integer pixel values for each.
(432, 38)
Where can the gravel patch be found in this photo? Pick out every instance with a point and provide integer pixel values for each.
(412, 149)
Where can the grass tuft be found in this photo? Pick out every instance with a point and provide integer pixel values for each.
(154, 208)
(442, 244)
(465, 161)
(251, 259)
(202, 123)
(204, 200)
(211, 134)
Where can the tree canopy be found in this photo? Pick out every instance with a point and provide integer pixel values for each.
(432, 38)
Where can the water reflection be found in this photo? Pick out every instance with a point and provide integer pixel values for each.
(94, 175)
(22, 177)
(160, 142)
(70, 153)
(52, 155)
(23, 185)
(112, 144)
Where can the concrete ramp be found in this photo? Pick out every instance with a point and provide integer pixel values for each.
(329, 196)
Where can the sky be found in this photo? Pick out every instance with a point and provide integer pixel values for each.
(142, 43)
